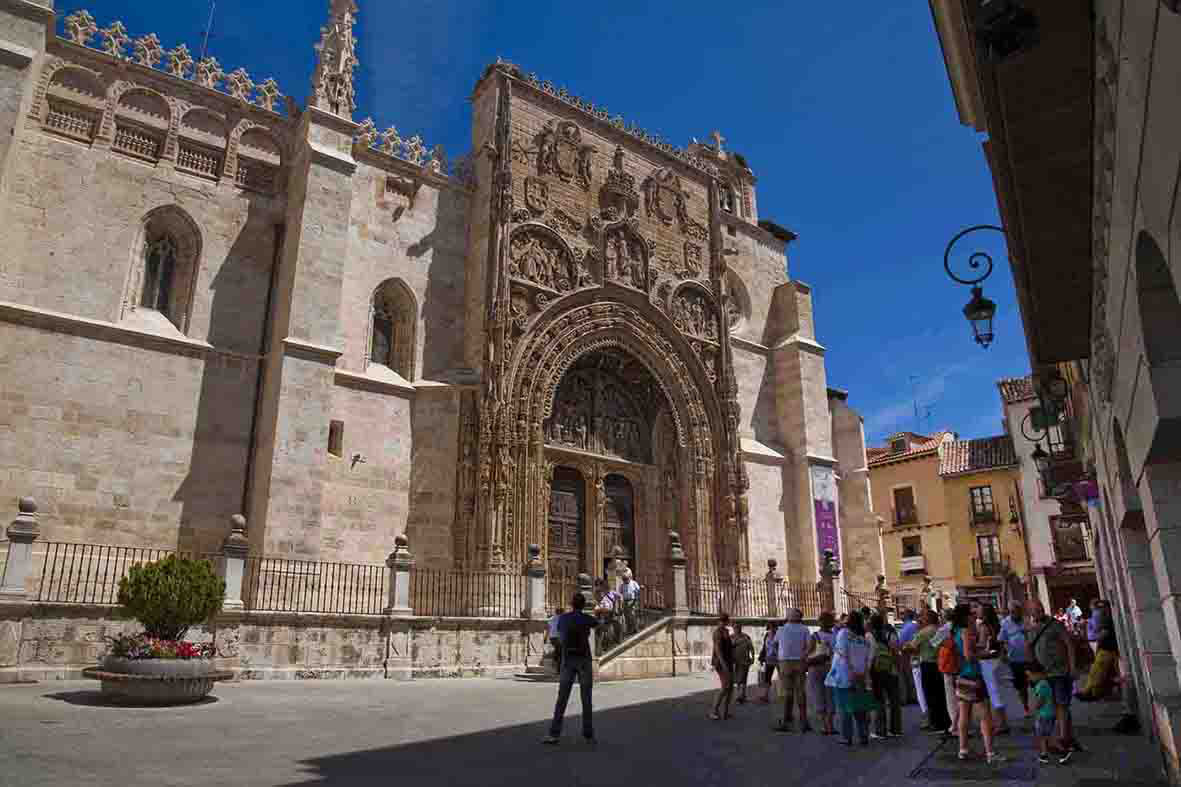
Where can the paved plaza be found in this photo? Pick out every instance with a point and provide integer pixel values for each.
(486, 732)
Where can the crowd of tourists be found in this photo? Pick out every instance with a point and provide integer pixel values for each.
(852, 675)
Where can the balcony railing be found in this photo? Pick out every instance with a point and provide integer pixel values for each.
(983, 516)
(913, 563)
(990, 568)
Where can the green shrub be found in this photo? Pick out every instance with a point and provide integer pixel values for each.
(170, 595)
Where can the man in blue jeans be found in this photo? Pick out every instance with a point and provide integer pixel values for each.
(574, 628)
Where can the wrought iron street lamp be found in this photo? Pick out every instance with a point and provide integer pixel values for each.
(980, 310)
(1041, 460)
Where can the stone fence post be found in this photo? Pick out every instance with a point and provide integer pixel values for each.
(400, 563)
(535, 584)
(676, 588)
(233, 562)
(774, 582)
(21, 534)
(829, 572)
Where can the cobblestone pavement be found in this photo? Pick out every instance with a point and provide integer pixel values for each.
(487, 732)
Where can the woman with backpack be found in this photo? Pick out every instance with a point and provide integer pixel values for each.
(925, 650)
(971, 692)
(820, 649)
(884, 646)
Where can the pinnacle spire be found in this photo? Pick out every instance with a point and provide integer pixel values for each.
(336, 58)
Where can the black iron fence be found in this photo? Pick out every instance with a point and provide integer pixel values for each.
(314, 587)
(754, 598)
(482, 594)
(88, 573)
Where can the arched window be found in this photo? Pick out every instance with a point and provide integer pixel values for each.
(1160, 309)
(159, 269)
(726, 194)
(391, 328)
(165, 266)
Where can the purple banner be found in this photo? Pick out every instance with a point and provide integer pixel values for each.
(825, 509)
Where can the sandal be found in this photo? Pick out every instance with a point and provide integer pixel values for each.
(714, 717)
(965, 755)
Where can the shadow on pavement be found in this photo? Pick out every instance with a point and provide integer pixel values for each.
(96, 699)
(663, 742)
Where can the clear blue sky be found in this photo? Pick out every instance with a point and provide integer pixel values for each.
(843, 111)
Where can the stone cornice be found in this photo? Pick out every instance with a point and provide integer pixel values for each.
(337, 123)
(28, 9)
(363, 382)
(12, 53)
(398, 166)
(802, 343)
(602, 119)
(819, 459)
(296, 346)
(747, 344)
(58, 322)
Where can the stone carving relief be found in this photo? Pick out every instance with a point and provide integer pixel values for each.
(537, 256)
(625, 257)
(618, 193)
(692, 313)
(564, 154)
(592, 412)
(692, 267)
(563, 222)
(536, 195)
(664, 199)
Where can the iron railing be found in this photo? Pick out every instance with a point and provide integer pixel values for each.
(997, 567)
(560, 587)
(314, 587)
(88, 573)
(463, 594)
(751, 598)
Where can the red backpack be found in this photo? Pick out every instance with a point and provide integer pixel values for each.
(948, 657)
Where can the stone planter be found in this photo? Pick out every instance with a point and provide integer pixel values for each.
(156, 681)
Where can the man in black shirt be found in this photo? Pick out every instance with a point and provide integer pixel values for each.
(574, 628)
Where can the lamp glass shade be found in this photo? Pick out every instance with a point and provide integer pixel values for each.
(979, 313)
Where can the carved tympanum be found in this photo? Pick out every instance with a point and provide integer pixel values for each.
(538, 257)
(595, 411)
(693, 314)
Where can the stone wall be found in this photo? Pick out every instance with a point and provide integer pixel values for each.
(56, 642)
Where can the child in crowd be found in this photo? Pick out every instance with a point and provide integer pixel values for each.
(1041, 700)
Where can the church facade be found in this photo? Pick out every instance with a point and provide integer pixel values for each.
(214, 301)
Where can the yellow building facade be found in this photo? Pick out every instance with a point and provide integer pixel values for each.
(950, 519)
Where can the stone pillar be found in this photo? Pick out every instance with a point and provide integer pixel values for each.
(535, 584)
(21, 534)
(233, 562)
(883, 595)
(676, 587)
(829, 572)
(400, 563)
(774, 582)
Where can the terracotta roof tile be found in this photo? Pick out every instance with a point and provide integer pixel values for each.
(920, 445)
(1016, 389)
(970, 456)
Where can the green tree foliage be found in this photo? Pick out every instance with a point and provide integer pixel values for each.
(170, 595)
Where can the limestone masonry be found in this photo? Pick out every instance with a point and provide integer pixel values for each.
(214, 301)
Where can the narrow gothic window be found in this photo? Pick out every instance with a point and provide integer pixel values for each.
(336, 438)
(159, 270)
(391, 342)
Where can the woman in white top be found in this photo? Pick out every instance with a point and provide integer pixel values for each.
(847, 678)
(820, 651)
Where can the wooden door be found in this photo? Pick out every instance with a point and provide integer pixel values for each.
(566, 523)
